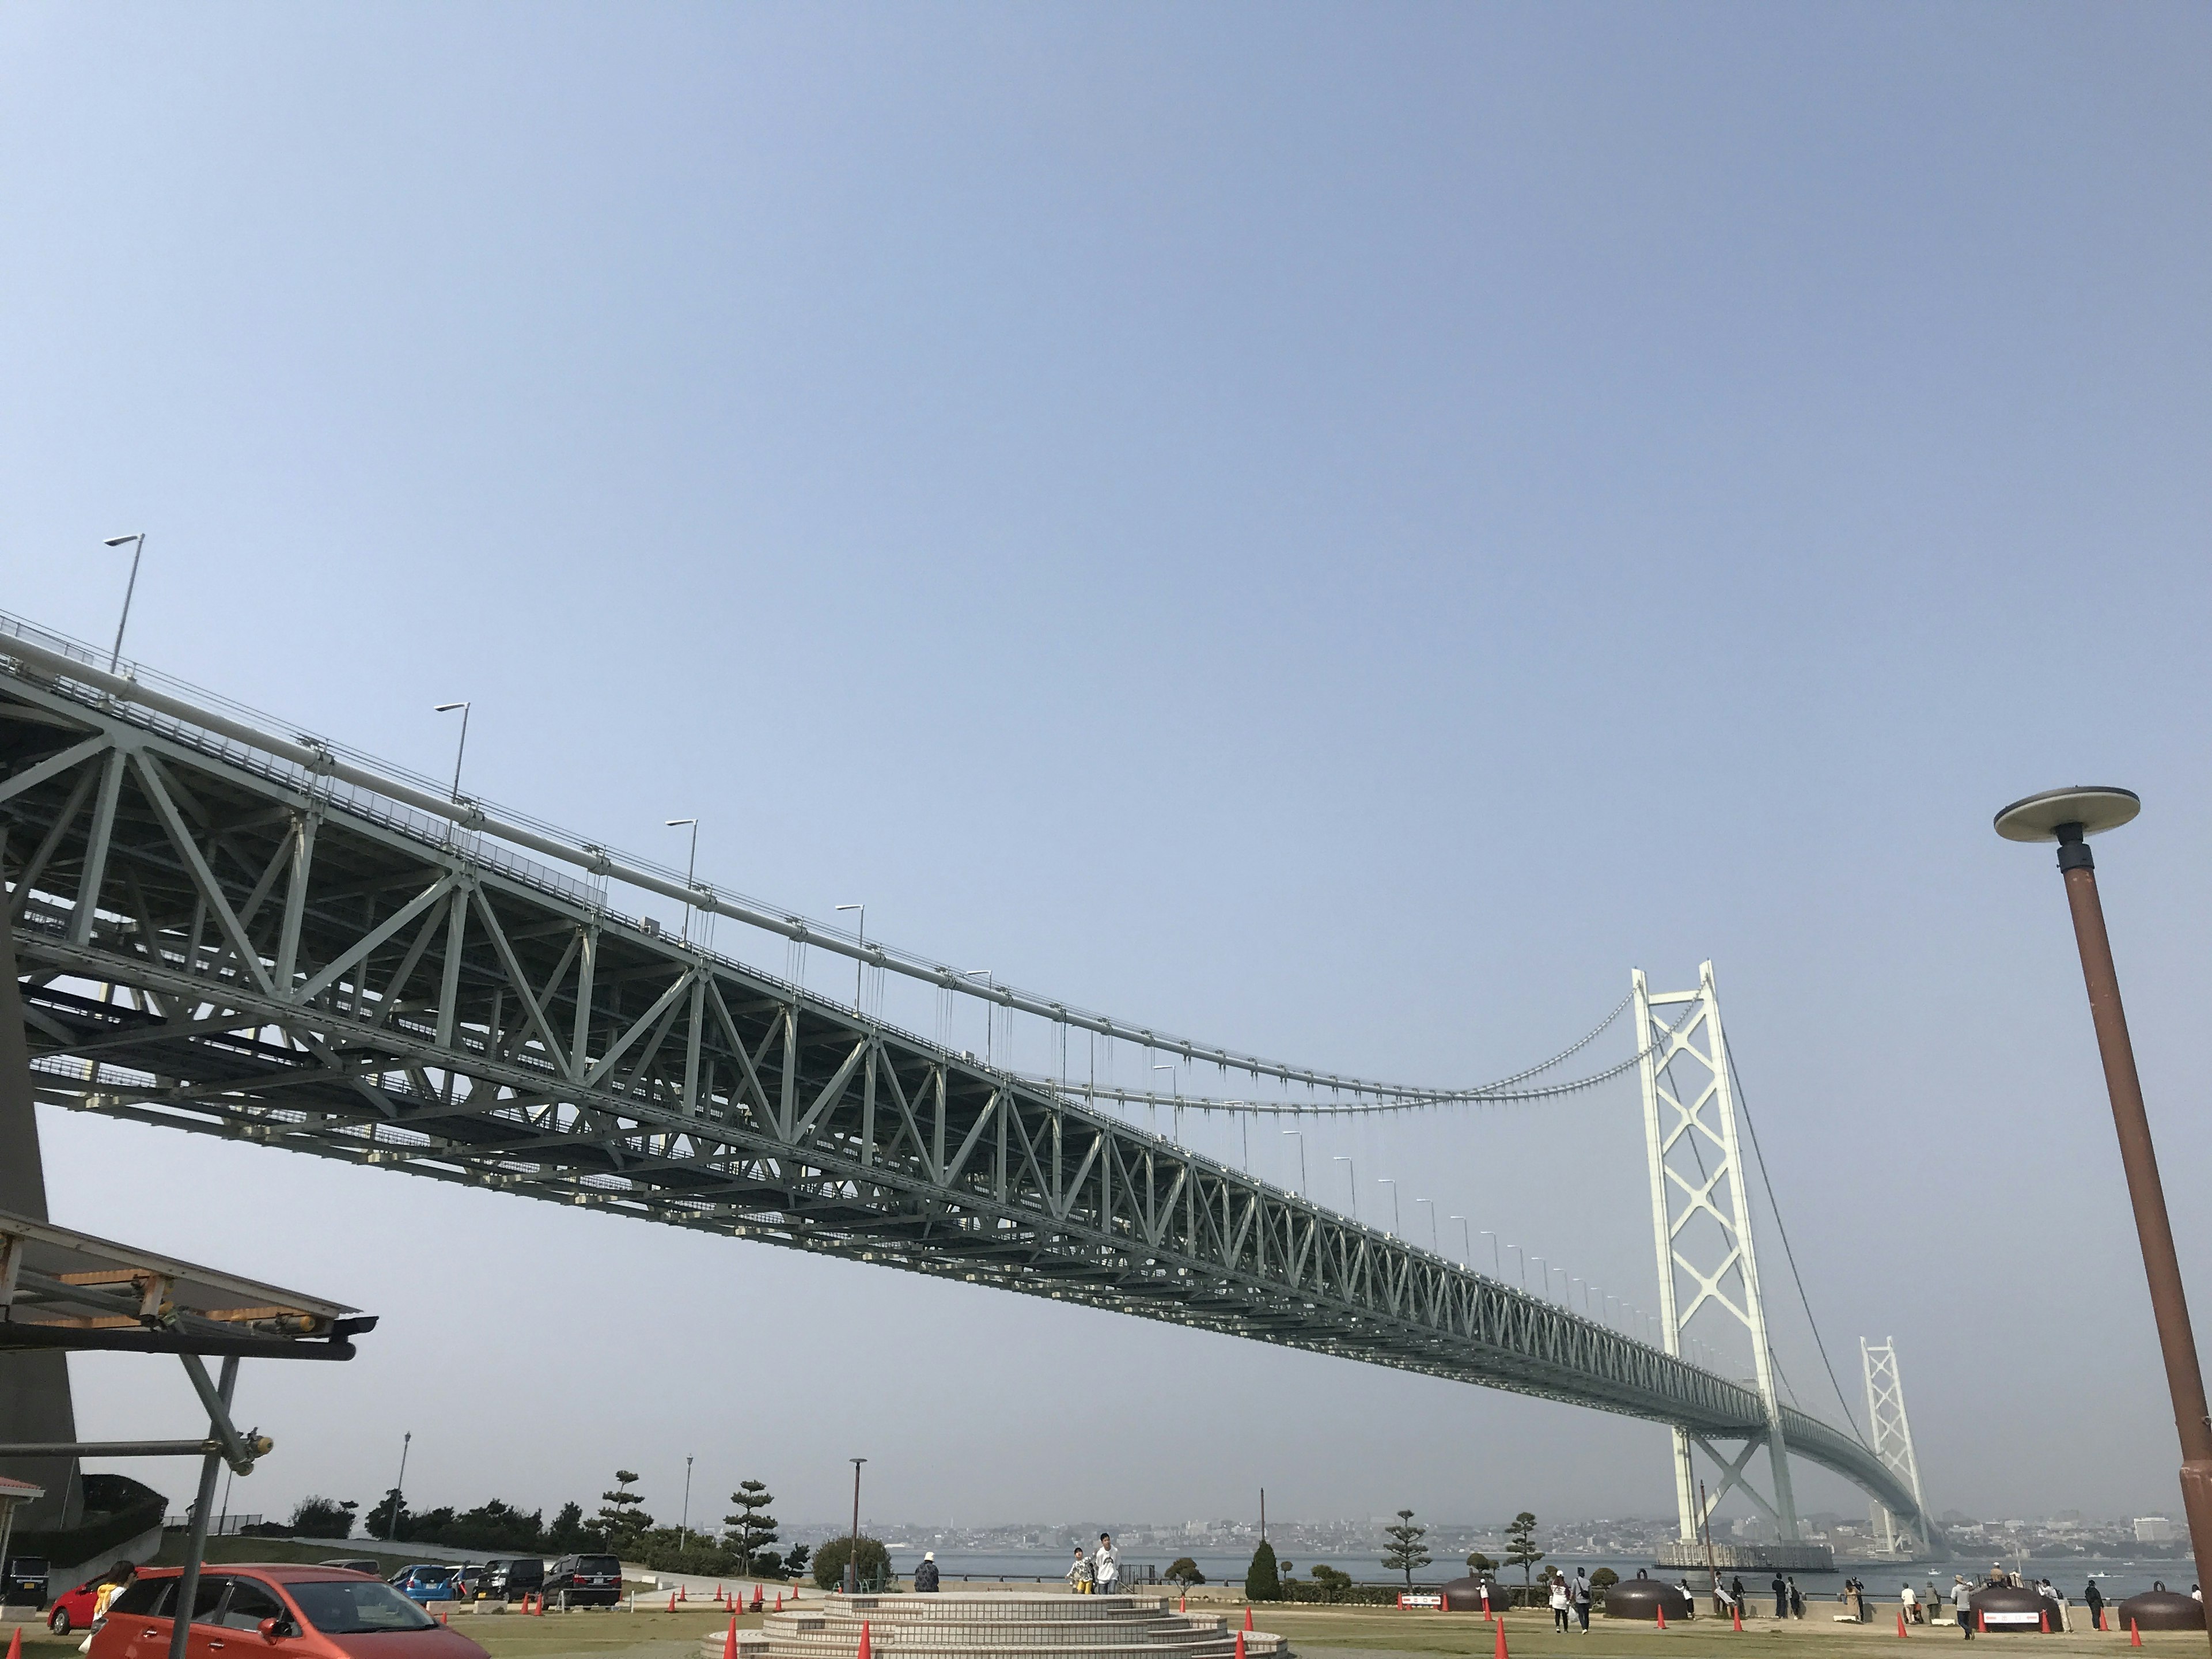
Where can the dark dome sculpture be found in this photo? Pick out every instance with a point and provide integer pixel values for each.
(1642, 1597)
(2160, 1608)
(2014, 1608)
(1465, 1596)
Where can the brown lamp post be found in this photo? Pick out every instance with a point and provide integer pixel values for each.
(2069, 817)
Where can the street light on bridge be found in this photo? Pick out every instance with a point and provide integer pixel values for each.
(1497, 1265)
(1387, 1180)
(1433, 1244)
(860, 962)
(138, 548)
(690, 868)
(2070, 817)
(1351, 1175)
(1301, 1159)
(460, 749)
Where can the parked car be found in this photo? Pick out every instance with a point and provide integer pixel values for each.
(72, 1609)
(467, 1578)
(24, 1584)
(510, 1580)
(428, 1583)
(296, 1611)
(583, 1581)
(356, 1564)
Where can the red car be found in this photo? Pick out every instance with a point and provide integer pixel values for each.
(247, 1610)
(72, 1609)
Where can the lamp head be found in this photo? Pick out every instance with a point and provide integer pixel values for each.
(2090, 809)
(117, 541)
(448, 708)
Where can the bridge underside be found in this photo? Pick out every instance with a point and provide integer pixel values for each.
(217, 940)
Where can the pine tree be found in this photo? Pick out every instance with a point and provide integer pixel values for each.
(621, 1516)
(751, 1528)
(1404, 1550)
(1261, 1582)
(1521, 1549)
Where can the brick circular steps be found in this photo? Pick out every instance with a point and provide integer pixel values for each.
(996, 1625)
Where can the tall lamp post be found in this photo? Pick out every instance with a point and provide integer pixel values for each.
(853, 1560)
(690, 868)
(392, 1530)
(2070, 816)
(1352, 1178)
(1302, 1162)
(138, 551)
(860, 962)
(1391, 1182)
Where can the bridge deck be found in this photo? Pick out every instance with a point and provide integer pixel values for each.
(219, 940)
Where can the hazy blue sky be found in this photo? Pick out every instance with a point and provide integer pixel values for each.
(1342, 531)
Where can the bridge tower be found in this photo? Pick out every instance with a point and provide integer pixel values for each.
(1901, 1534)
(1701, 1227)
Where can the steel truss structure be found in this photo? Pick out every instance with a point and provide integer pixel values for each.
(220, 939)
(1906, 1532)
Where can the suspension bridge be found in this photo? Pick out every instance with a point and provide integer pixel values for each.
(226, 927)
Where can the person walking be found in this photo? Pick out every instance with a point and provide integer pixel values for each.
(925, 1575)
(1736, 1589)
(2095, 1598)
(1797, 1599)
(1560, 1605)
(1962, 1602)
(1909, 1604)
(1106, 1565)
(1078, 1574)
(1781, 1597)
(1582, 1599)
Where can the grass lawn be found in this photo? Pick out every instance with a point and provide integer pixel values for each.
(1530, 1635)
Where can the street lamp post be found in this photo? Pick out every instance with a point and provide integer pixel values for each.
(860, 962)
(990, 1008)
(1524, 1254)
(399, 1487)
(1433, 1244)
(690, 869)
(460, 749)
(2070, 817)
(1352, 1178)
(1175, 1081)
(1301, 1159)
(1466, 1244)
(1391, 1182)
(853, 1560)
(683, 1532)
(1497, 1262)
(138, 551)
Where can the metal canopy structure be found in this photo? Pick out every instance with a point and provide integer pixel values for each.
(225, 936)
(63, 1289)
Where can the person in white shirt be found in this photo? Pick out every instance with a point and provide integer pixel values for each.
(1106, 1564)
(1912, 1606)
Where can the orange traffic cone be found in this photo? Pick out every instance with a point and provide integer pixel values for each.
(730, 1640)
(2135, 1636)
(1248, 1619)
(1182, 1604)
(671, 1600)
(1901, 1629)
(867, 1647)
(1661, 1608)
(1501, 1653)
(2046, 1622)
(1736, 1613)
(683, 1592)
(441, 1619)
(15, 1644)
(1240, 1644)
(1981, 1622)
(779, 1597)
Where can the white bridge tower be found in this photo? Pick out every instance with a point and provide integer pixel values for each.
(1708, 1266)
(1908, 1535)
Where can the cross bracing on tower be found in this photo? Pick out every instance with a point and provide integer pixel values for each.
(233, 932)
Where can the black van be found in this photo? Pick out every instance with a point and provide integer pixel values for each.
(510, 1580)
(583, 1581)
(25, 1583)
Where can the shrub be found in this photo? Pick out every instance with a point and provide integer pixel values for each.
(873, 1559)
(314, 1516)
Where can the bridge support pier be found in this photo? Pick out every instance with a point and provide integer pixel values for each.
(35, 1405)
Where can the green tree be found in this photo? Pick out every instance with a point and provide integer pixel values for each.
(872, 1560)
(1183, 1570)
(568, 1531)
(795, 1561)
(1603, 1579)
(322, 1518)
(752, 1529)
(1332, 1583)
(1262, 1582)
(622, 1517)
(379, 1522)
(1477, 1563)
(1521, 1549)
(1404, 1550)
